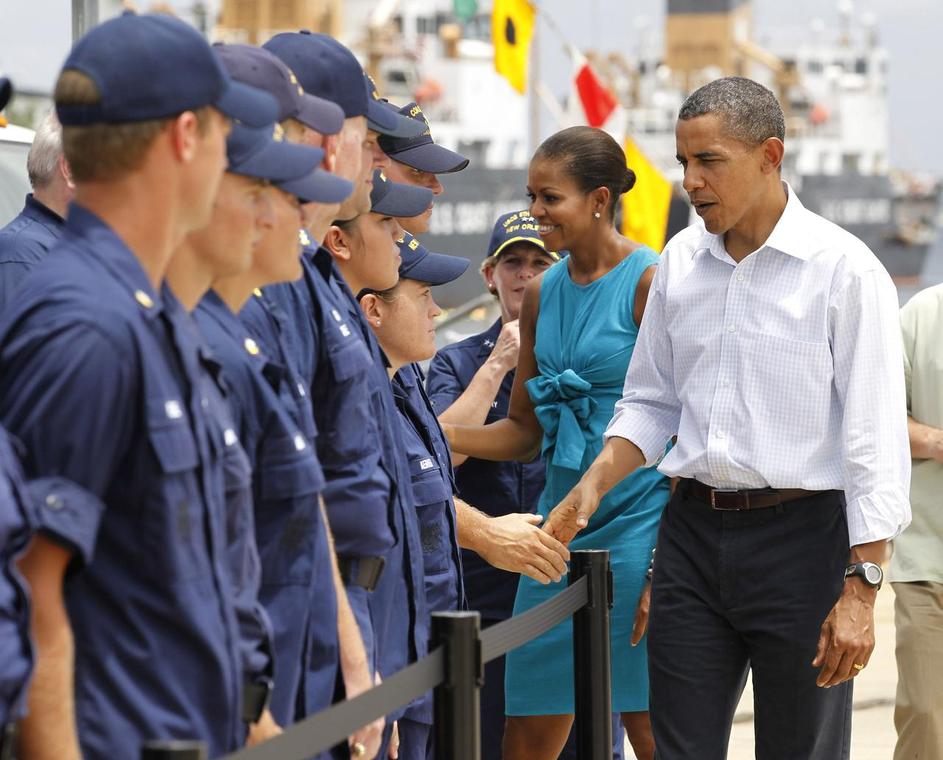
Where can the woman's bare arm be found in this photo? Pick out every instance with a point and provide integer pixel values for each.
(518, 436)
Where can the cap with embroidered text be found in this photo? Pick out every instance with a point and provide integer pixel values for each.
(153, 67)
(264, 70)
(516, 227)
(419, 263)
(420, 152)
(396, 199)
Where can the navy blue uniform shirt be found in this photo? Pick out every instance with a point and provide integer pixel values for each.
(16, 657)
(24, 242)
(296, 581)
(430, 470)
(235, 484)
(99, 386)
(332, 359)
(496, 488)
(398, 605)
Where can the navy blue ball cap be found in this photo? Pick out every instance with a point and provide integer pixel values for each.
(419, 151)
(385, 120)
(6, 92)
(516, 227)
(324, 67)
(419, 263)
(264, 70)
(262, 152)
(154, 67)
(318, 186)
(396, 199)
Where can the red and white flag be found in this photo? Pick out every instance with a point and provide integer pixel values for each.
(598, 101)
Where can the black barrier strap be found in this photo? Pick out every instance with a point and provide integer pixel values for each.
(334, 725)
(501, 638)
(330, 727)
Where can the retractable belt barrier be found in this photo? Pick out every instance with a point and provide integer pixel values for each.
(455, 670)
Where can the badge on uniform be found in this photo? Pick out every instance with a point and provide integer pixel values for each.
(426, 464)
(230, 437)
(300, 444)
(173, 409)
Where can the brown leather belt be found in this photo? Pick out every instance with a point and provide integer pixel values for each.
(735, 501)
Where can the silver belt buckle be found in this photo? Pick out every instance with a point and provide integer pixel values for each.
(714, 492)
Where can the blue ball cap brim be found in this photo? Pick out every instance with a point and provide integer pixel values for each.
(318, 186)
(431, 158)
(254, 153)
(435, 268)
(246, 104)
(403, 201)
(321, 115)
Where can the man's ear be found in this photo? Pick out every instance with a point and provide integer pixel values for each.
(184, 132)
(773, 152)
(66, 172)
(336, 242)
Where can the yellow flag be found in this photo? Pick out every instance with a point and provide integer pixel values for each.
(512, 26)
(645, 207)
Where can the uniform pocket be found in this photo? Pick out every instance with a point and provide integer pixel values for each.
(432, 496)
(174, 528)
(350, 360)
(287, 515)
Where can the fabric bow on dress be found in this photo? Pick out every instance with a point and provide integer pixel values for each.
(564, 409)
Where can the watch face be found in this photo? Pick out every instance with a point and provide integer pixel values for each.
(873, 574)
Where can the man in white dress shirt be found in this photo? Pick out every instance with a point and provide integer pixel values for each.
(771, 348)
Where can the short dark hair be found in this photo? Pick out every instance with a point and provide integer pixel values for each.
(750, 111)
(592, 158)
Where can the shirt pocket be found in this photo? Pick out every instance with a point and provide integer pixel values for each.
(349, 360)
(432, 495)
(287, 514)
(782, 381)
(174, 525)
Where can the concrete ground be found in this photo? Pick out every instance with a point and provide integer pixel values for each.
(873, 734)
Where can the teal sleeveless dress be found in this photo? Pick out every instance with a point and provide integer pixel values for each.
(585, 338)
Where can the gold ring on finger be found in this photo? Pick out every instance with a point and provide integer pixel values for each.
(858, 666)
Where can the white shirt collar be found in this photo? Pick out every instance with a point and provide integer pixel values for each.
(788, 236)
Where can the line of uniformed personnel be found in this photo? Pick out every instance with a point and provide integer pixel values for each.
(217, 513)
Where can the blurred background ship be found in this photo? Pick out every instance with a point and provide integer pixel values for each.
(439, 53)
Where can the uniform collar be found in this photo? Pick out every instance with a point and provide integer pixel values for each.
(488, 338)
(101, 242)
(214, 306)
(788, 236)
(39, 212)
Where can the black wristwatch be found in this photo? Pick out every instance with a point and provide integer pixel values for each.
(869, 572)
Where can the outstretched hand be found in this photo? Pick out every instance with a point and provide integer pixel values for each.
(572, 514)
(515, 543)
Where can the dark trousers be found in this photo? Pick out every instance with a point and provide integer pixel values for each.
(492, 715)
(746, 590)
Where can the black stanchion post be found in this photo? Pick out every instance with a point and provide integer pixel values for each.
(457, 716)
(174, 750)
(591, 656)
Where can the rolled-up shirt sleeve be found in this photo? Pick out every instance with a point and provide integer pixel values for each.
(649, 412)
(66, 393)
(865, 337)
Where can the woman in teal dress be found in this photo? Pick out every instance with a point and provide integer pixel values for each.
(578, 323)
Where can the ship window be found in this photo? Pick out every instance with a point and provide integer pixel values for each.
(815, 67)
(861, 66)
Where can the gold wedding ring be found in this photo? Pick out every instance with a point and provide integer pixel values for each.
(358, 750)
(857, 666)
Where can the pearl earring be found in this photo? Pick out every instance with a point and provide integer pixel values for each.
(378, 323)
(596, 215)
